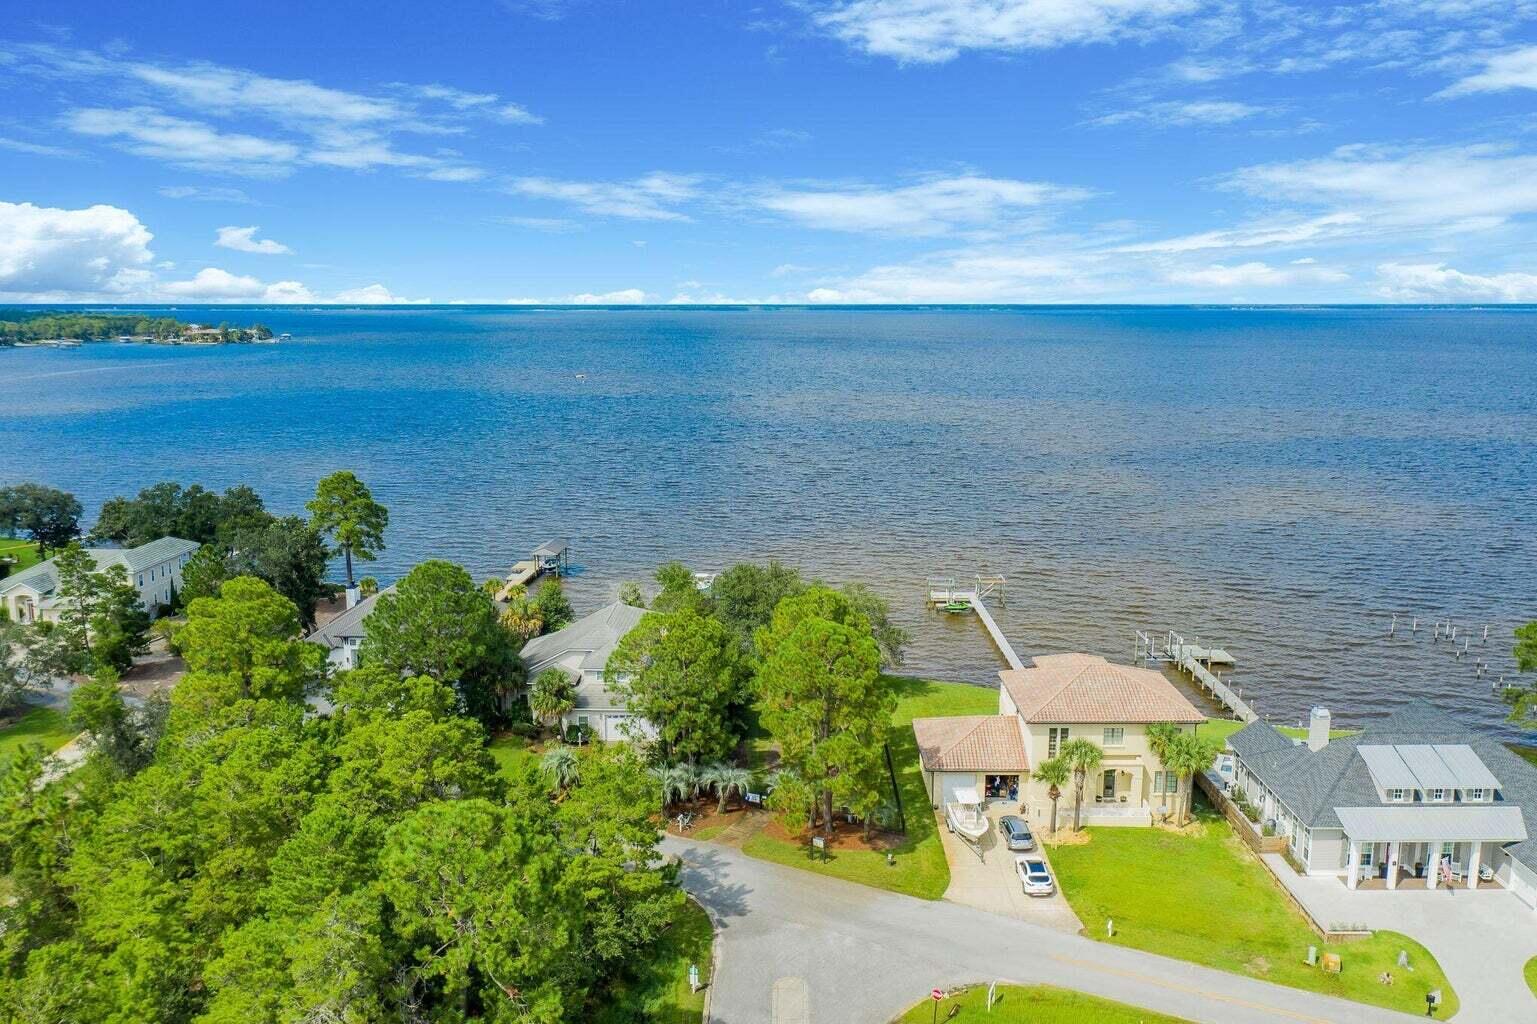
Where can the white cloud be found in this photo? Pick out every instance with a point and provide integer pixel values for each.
(245, 240)
(230, 90)
(1259, 234)
(624, 297)
(372, 295)
(211, 284)
(1036, 273)
(1436, 282)
(35, 148)
(653, 197)
(150, 133)
(50, 253)
(205, 193)
(932, 31)
(788, 270)
(516, 113)
(1182, 112)
(1513, 69)
(1253, 275)
(933, 207)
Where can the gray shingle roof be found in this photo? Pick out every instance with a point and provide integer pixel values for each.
(349, 625)
(1313, 784)
(44, 579)
(595, 635)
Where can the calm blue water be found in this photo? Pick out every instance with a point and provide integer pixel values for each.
(1279, 481)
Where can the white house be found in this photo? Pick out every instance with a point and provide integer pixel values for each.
(343, 635)
(582, 650)
(154, 569)
(1414, 800)
(1062, 697)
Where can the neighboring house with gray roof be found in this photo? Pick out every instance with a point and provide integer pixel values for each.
(343, 635)
(1415, 799)
(582, 650)
(154, 569)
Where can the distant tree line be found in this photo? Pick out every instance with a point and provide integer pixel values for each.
(25, 325)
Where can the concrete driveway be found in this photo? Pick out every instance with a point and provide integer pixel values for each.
(989, 883)
(797, 948)
(1481, 938)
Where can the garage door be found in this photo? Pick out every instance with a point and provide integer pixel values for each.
(949, 782)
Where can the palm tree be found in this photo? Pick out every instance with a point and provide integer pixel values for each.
(1054, 773)
(522, 617)
(552, 696)
(677, 782)
(1188, 755)
(725, 779)
(561, 763)
(1083, 759)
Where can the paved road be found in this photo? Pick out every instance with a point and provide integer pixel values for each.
(864, 955)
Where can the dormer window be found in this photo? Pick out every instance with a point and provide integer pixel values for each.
(1437, 796)
(1476, 794)
(1398, 796)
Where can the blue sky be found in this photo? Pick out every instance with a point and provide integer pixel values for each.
(811, 151)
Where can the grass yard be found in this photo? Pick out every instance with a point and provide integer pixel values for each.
(43, 726)
(920, 869)
(1221, 728)
(660, 993)
(512, 752)
(1205, 898)
(1033, 1004)
(24, 551)
(1530, 971)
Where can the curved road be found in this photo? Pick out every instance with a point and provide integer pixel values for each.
(798, 948)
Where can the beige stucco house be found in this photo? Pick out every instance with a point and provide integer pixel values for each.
(1061, 697)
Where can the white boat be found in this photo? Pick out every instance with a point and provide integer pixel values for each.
(963, 814)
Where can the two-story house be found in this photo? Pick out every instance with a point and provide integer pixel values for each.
(1062, 697)
(581, 650)
(154, 569)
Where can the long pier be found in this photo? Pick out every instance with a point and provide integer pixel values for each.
(944, 594)
(1195, 661)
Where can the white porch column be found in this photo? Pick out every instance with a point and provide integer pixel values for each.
(1473, 864)
(1433, 865)
(1354, 877)
(1392, 865)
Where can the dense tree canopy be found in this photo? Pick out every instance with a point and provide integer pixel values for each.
(258, 864)
(438, 623)
(48, 516)
(682, 673)
(170, 510)
(1523, 698)
(746, 595)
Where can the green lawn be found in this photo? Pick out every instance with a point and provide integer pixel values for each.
(44, 726)
(1206, 898)
(920, 868)
(1222, 728)
(660, 993)
(24, 551)
(1530, 970)
(1033, 1004)
(511, 752)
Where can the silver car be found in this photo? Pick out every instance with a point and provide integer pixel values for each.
(1016, 832)
(1034, 878)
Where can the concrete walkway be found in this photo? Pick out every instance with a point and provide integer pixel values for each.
(795, 946)
(1482, 938)
(990, 883)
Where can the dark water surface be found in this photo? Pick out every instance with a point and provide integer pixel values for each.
(1278, 481)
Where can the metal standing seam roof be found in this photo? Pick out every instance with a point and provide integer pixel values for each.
(551, 549)
(596, 635)
(1432, 822)
(1427, 766)
(1469, 768)
(350, 624)
(44, 579)
(1387, 767)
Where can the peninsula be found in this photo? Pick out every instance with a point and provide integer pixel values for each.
(26, 327)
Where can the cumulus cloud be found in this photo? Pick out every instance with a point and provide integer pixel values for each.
(1513, 69)
(1015, 273)
(374, 295)
(245, 240)
(49, 253)
(623, 297)
(655, 196)
(150, 133)
(1255, 274)
(935, 206)
(211, 284)
(933, 31)
(1436, 282)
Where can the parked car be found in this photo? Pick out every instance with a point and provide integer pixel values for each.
(1016, 832)
(1034, 876)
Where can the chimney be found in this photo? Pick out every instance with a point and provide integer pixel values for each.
(354, 592)
(1318, 728)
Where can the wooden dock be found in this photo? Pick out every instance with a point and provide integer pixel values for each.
(553, 556)
(1196, 661)
(943, 593)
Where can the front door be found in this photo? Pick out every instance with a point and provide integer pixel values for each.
(1109, 791)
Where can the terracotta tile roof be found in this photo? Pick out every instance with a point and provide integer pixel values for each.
(1070, 688)
(971, 743)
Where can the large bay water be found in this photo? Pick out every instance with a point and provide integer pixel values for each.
(1278, 481)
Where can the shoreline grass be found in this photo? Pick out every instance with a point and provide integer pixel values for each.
(1204, 897)
(1033, 1004)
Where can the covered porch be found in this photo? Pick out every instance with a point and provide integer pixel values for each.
(1388, 848)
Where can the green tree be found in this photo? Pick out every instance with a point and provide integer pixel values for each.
(562, 765)
(553, 609)
(551, 696)
(48, 516)
(168, 509)
(247, 643)
(290, 555)
(1187, 755)
(438, 623)
(126, 737)
(205, 572)
(725, 779)
(1055, 773)
(1523, 699)
(102, 620)
(822, 697)
(1082, 759)
(345, 510)
(520, 616)
(681, 674)
(746, 595)
(891, 638)
(631, 594)
(679, 591)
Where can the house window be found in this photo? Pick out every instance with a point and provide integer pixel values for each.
(1368, 852)
(1475, 794)
(1115, 736)
(1396, 795)
(1437, 795)
(141, 579)
(1054, 737)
